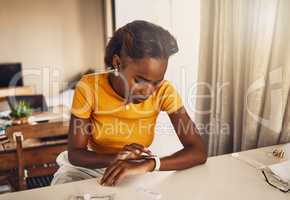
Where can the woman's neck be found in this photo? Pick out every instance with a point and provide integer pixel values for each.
(116, 85)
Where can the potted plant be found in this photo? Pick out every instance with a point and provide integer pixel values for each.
(20, 113)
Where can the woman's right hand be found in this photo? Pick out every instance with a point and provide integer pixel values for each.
(133, 152)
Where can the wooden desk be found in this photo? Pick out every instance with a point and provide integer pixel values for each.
(221, 178)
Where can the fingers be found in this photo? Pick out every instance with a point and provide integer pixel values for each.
(119, 177)
(134, 151)
(111, 178)
(109, 170)
(123, 155)
(137, 149)
(114, 175)
(121, 169)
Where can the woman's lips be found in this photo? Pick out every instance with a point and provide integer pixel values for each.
(138, 99)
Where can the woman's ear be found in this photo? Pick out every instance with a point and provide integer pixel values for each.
(116, 62)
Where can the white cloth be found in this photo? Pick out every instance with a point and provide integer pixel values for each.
(69, 173)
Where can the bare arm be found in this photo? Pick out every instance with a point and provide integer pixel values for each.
(79, 133)
(193, 152)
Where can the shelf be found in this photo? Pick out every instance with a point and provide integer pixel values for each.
(12, 91)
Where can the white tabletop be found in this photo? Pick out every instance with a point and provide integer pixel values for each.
(221, 178)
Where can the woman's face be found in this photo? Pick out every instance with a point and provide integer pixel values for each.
(139, 78)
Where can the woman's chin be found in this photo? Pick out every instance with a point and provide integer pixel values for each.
(137, 101)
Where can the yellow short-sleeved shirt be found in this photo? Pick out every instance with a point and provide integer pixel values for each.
(114, 124)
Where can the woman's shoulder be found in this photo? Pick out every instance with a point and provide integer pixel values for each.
(93, 79)
(165, 86)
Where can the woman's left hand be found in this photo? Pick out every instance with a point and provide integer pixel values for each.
(121, 169)
(133, 152)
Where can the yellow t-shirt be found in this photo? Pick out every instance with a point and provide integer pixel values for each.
(115, 124)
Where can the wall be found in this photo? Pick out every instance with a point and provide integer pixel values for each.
(54, 39)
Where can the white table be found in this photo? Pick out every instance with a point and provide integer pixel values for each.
(221, 178)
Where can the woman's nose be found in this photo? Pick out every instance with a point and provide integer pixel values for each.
(148, 90)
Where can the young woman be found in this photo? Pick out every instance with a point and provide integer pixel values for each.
(114, 114)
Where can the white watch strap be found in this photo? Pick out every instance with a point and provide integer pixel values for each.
(157, 163)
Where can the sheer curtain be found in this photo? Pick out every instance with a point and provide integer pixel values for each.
(243, 99)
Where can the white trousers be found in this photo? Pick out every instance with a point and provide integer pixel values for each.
(69, 173)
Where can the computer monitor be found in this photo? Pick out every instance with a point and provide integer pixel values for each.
(10, 75)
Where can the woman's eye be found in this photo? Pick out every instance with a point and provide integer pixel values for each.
(138, 80)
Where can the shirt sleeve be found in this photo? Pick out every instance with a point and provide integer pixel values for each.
(82, 104)
(170, 100)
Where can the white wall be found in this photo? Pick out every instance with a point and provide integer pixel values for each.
(54, 39)
(181, 18)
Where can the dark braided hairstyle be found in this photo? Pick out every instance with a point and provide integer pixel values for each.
(140, 39)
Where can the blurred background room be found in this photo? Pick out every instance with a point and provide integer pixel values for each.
(232, 72)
